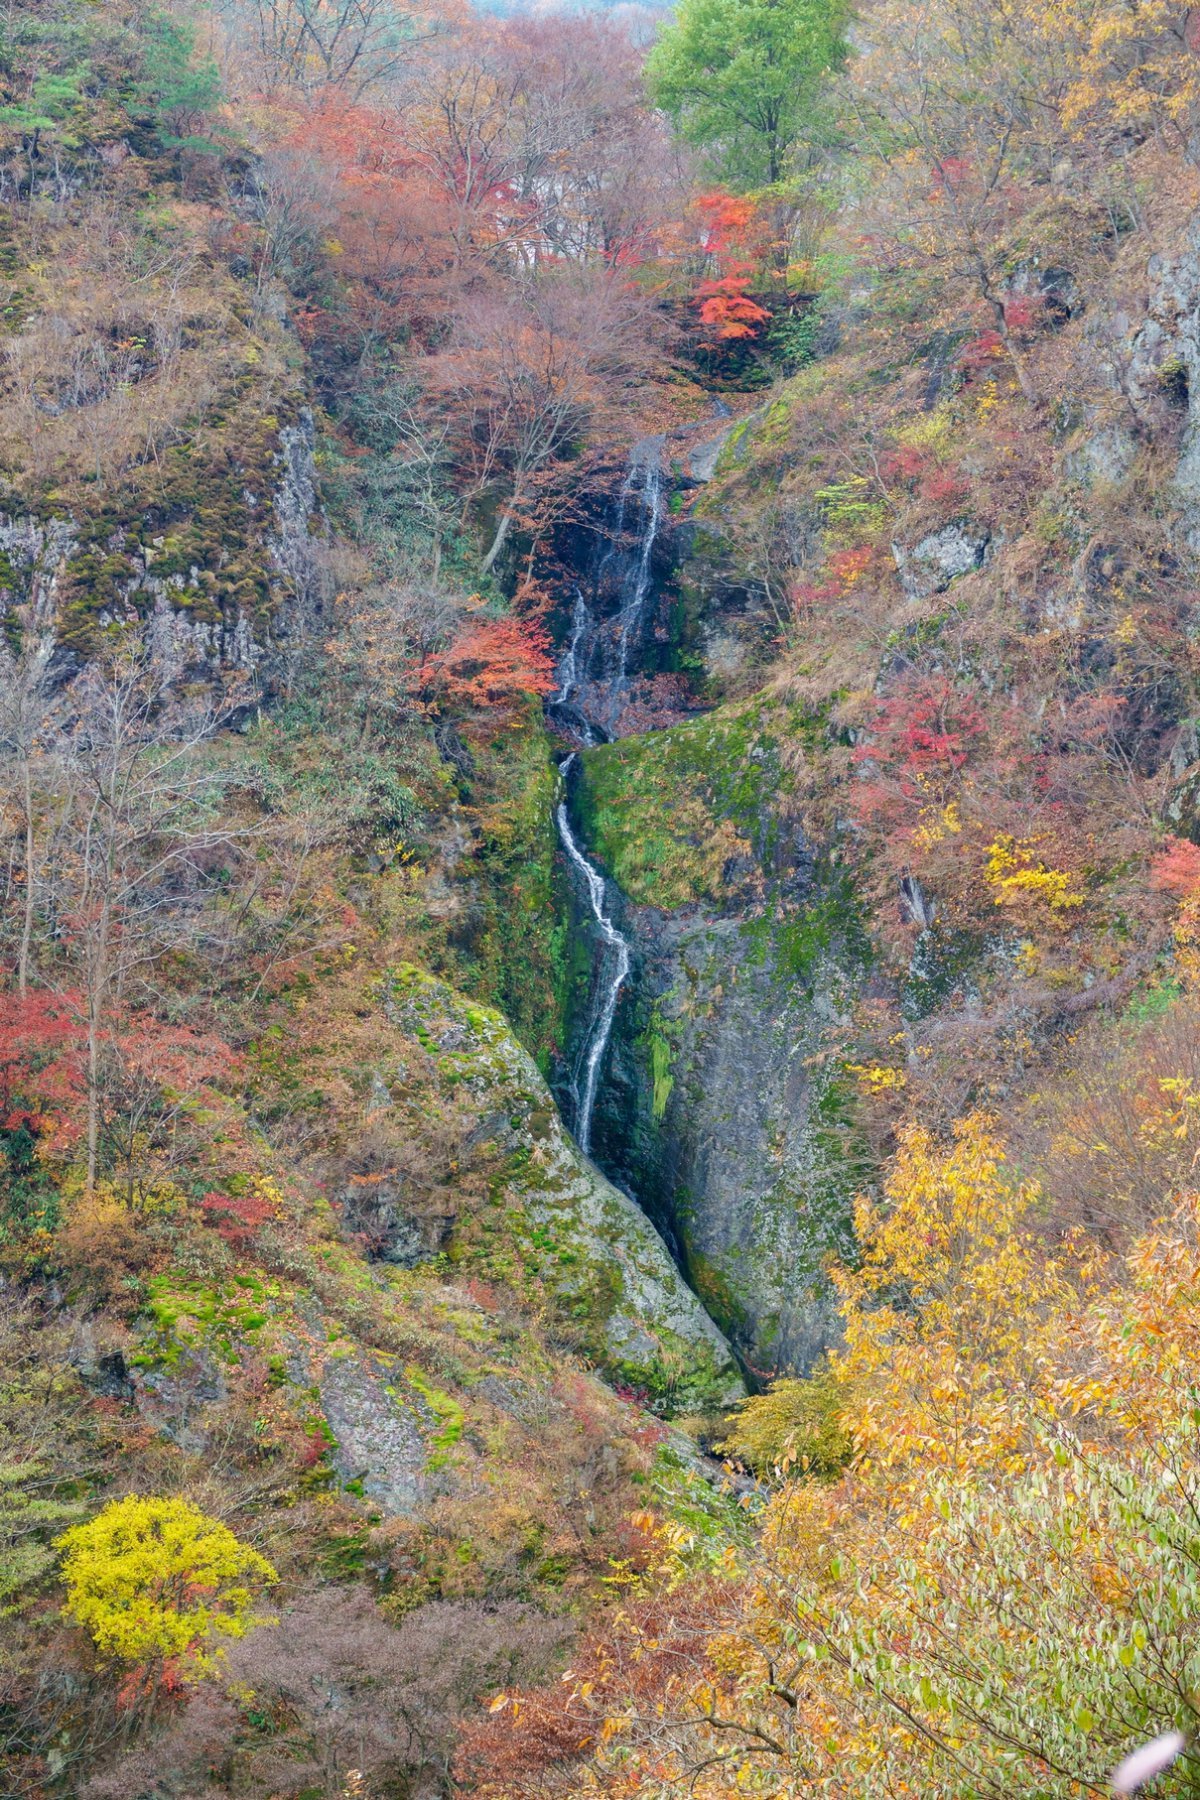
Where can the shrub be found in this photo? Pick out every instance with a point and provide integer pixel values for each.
(795, 1424)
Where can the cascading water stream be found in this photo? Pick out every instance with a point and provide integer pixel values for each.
(629, 619)
(613, 974)
(575, 706)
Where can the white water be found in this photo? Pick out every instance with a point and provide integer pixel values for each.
(614, 972)
(629, 619)
(571, 669)
(643, 482)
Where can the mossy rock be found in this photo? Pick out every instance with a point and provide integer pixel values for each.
(554, 1228)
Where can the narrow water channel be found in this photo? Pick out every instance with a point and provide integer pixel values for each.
(614, 969)
(593, 685)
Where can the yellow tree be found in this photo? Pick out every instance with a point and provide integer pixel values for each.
(154, 1581)
(1001, 1593)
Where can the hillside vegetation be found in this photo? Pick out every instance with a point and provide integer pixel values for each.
(358, 1435)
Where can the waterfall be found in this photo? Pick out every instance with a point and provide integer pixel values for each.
(594, 671)
(629, 619)
(614, 971)
(571, 670)
(593, 680)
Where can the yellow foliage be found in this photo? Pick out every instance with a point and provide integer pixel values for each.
(1014, 873)
(934, 431)
(958, 1614)
(944, 1316)
(937, 824)
(877, 1078)
(797, 1425)
(987, 399)
(151, 1580)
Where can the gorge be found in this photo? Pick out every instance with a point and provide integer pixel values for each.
(685, 1070)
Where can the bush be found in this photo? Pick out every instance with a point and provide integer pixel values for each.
(794, 1425)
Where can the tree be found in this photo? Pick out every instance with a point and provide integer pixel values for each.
(962, 112)
(537, 139)
(744, 79)
(182, 88)
(130, 840)
(153, 1581)
(531, 374)
(26, 704)
(998, 1596)
(349, 45)
(724, 299)
(491, 663)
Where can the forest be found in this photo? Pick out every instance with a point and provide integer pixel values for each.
(600, 922)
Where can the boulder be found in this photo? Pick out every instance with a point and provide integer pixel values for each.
(929, 566)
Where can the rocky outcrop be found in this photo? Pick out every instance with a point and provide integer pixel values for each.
(293, 546)
(382, 1429)
(1163, 373)
(928, 567)
(551, 1222)
(726, 1109)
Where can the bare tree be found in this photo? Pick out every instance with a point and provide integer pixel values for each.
(529, 374)
(26, 703)
(351, 46)
(961, 112)
(138, 821)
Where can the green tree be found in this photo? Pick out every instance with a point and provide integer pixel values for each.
(181, 86)
(745, 79)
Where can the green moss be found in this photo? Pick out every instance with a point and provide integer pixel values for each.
(658, 1045)
(666, 814)
(445, 1409)
(508, 941)
(714, 1284)
(187, 1315)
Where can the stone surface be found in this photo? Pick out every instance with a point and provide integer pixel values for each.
(1163, 372)
(1104, 458)
(929, 566)
(381, 1429)
(553, 1218)
(724, 1109)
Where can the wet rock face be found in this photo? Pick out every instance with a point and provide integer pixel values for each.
(723, 622)
(748, 1157)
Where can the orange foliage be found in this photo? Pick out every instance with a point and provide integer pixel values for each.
(1176, 868)
(491, 663)
(42, 1083)
(731, 234)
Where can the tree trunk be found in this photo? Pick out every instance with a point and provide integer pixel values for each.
(97, 990)
(1014, 356)
(499, 539)
(93, 1098)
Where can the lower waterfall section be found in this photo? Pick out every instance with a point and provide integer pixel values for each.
(615, 963)
(724, 1105)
